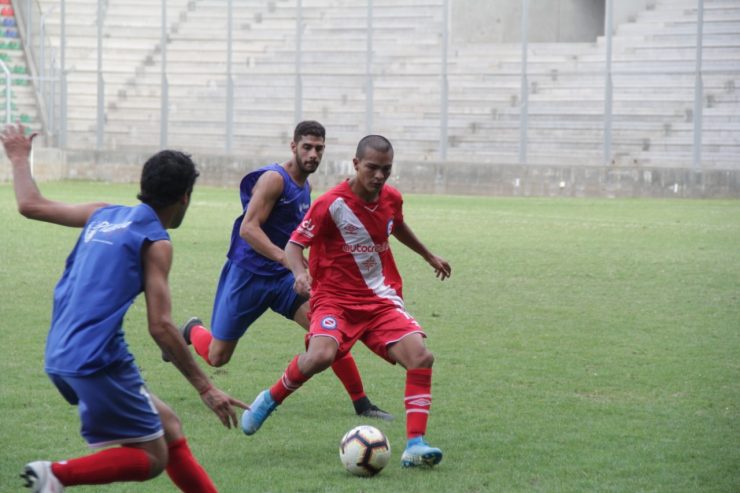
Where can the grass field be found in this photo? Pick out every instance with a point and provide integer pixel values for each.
(581, 346)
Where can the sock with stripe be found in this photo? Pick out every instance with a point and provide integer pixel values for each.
(291, 381)
(417, 400)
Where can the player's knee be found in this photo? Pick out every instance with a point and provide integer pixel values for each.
(218, 359)
(316, 360)
(158, 463)
(171, 424)
(423, 359)
(219, 354)
(158, 456)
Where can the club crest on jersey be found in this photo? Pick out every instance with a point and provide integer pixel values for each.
(329, 323)
(389, 226)
(369, 264)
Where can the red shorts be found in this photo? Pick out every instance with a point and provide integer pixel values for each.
(376, 325)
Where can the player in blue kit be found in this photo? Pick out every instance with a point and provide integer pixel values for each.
(120, 252)
(255, 276)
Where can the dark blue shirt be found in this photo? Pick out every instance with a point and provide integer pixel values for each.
(285, 216)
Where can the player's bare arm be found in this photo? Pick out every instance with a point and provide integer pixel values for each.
(405, 235)
(157, 260)
(31, 203)
(265, 194)
(297, 265)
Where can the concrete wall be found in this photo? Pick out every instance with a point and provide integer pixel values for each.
(550, 21)
(421, 177)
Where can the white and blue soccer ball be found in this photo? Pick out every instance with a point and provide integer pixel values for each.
(364, 450)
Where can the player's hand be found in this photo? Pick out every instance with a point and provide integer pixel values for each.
(442, 268)
(223, 405)
(302, 285)
(17, 145)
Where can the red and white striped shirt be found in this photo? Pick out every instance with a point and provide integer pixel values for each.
(350, 259)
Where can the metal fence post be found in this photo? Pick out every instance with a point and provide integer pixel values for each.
(444, 89)
(698, 88)
(369, 96)
(524, 87)
(608, 86)
(101, 86)
(164, 103)
(298, 48)
(62, 76)
(229, 80)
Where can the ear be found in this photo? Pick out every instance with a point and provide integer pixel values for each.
(185, 199)
(293, 146)
(356, 162)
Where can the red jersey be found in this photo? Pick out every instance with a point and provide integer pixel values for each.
(350, 259)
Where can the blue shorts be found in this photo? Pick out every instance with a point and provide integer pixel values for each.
(113, 404)
(243, 296)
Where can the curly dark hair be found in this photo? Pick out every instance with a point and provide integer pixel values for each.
(375, 142)
(166, 177)
(309, 127)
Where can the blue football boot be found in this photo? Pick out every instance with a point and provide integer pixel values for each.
(260, 409)
(418, 453)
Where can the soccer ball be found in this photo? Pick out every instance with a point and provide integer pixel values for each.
(364, 451)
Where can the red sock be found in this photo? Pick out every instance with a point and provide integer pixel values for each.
(418, 400)
(201, 339)
(346, 370)
(107, 466)
(185, 471)
(291, 381)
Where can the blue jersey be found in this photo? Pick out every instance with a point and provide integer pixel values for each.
(102, 277)
(285, 216)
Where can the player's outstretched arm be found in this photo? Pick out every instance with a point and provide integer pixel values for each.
(403, 233)
(157, 259)
(30, 202)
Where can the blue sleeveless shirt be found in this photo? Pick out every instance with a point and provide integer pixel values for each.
(285, 216)
(102, 277)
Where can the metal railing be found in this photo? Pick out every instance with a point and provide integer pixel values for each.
(49, 71)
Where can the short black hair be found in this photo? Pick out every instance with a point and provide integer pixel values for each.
(309, 127)
(375, 142)
(166, 177)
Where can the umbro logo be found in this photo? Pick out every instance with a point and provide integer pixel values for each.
(350, 229)
(421, 402)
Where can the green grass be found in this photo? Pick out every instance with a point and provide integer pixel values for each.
(581, 346)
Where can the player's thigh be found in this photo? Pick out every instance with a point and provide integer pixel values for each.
(115, 407)
(331, 322)
(394, 335)
(241, 298)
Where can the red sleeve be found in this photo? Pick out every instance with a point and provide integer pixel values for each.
(310, 227)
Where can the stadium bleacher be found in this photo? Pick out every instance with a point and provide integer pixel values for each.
(653, 75)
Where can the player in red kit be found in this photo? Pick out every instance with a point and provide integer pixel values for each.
(356, 292)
